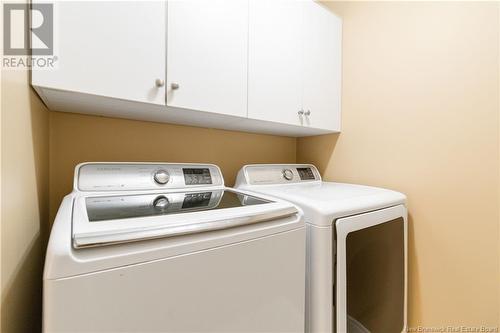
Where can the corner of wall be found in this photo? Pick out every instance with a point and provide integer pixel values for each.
(24, 205)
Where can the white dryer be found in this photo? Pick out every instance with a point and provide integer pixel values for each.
(356, 277)
(153, 247)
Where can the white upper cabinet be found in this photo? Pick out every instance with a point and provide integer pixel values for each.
(275, 60)
(294, 63)
(109, 48)
(207, 56)
(266, 66)
(322, 67)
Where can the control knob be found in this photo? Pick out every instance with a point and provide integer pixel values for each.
(160, 203)
(287, 174)
(161, 177)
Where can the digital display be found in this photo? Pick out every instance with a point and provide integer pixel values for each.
(194, 200)
(305, 173)
(196, 176)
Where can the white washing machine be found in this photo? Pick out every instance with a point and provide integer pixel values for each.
(149, 247)
(356, 277)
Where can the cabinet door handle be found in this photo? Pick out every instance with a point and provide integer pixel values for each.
(174, 86)
(307, 113)
(159, 83)
(301, 112)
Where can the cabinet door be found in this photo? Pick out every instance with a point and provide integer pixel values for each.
(109, 48)
(275, 61)
(322, 66)
(207, 55)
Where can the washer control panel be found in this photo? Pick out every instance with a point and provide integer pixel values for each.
(268, 174)
(145, 176)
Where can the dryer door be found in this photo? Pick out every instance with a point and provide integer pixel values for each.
(371, 283)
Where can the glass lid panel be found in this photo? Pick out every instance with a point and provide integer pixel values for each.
(130, 206)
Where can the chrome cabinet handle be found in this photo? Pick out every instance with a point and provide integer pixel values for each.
(301, 112)
(307, 113)
(174, 86)
(159, 83)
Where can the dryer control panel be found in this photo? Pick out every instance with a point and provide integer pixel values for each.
(145, 176)
(270, 174)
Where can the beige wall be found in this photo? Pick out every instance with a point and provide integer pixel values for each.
(420, 115)
(79, 138)
(24, 206)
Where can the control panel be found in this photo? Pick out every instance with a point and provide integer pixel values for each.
(145, 176)
(268, 174)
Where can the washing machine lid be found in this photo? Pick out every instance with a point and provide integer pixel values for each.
(112, 218)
